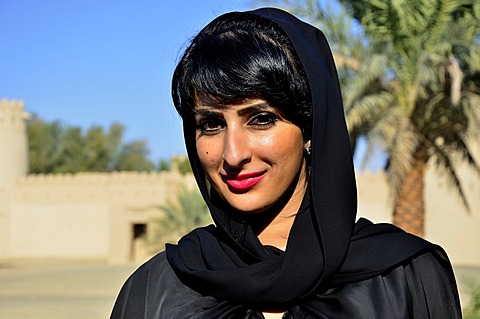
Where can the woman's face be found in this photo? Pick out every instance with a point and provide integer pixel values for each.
(250, 154)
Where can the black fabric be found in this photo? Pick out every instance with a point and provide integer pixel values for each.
(223, 271)
(420, 289)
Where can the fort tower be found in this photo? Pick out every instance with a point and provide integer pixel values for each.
(13, 141)
(13, 158)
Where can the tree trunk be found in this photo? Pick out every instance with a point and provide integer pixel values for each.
(409, 204)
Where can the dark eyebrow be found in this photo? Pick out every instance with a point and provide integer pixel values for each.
(211, 111)
(207, 113)
(253, 108)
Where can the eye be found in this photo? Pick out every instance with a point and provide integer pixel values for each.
(263, 120)
(209, 125)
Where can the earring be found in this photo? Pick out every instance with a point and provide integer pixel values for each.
(308, 146)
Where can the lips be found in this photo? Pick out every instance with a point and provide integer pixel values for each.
(243, 182)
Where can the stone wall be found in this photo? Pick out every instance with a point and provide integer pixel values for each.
(448, 222)
(86, 214)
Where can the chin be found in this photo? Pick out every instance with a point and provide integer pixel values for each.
(240, 207)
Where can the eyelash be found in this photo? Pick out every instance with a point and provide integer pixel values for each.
(204, 123)
(268, 119)
(262, 120)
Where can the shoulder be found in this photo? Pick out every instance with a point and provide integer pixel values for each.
(154, 291)
(428, 285)
(431, 268)
(421, 287)
(155, 271)
(431, 282)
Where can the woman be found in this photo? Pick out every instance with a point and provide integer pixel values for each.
(266, 137)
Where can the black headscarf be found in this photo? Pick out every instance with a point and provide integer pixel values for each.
(325, 247)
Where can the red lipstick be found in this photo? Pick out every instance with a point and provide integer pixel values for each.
(243, 182)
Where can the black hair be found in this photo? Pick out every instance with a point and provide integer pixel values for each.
(239, 56)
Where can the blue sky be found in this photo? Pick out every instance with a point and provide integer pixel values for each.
(96, 62)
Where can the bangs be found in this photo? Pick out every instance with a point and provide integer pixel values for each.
(234, 68)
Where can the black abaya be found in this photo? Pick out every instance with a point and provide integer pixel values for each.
(419, 289)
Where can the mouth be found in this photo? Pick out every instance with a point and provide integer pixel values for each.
(243, 182)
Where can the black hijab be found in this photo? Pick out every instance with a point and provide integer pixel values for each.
(325, 247)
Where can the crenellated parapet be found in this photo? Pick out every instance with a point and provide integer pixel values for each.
(12, 114)
(129, 188)
(123, 178)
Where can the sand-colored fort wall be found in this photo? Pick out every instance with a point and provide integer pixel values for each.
(86, 214)
(373, 196)
(448, 222)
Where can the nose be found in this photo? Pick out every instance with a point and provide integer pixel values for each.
(236, 151)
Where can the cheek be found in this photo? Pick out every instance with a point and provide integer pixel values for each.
(208, 154)
(284, 147)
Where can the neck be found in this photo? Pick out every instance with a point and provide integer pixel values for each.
(276, 233)
(276, 229)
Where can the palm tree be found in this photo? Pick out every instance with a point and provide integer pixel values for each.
(416, 92)
(179, 217)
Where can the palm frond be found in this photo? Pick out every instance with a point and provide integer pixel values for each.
(179, 217)
(367, 110)
(370, 73)
(427, 69)
(446, 169)
(442, 21)
(466, 155)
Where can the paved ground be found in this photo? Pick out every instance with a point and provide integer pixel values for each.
(86, 289)
(59, 289)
